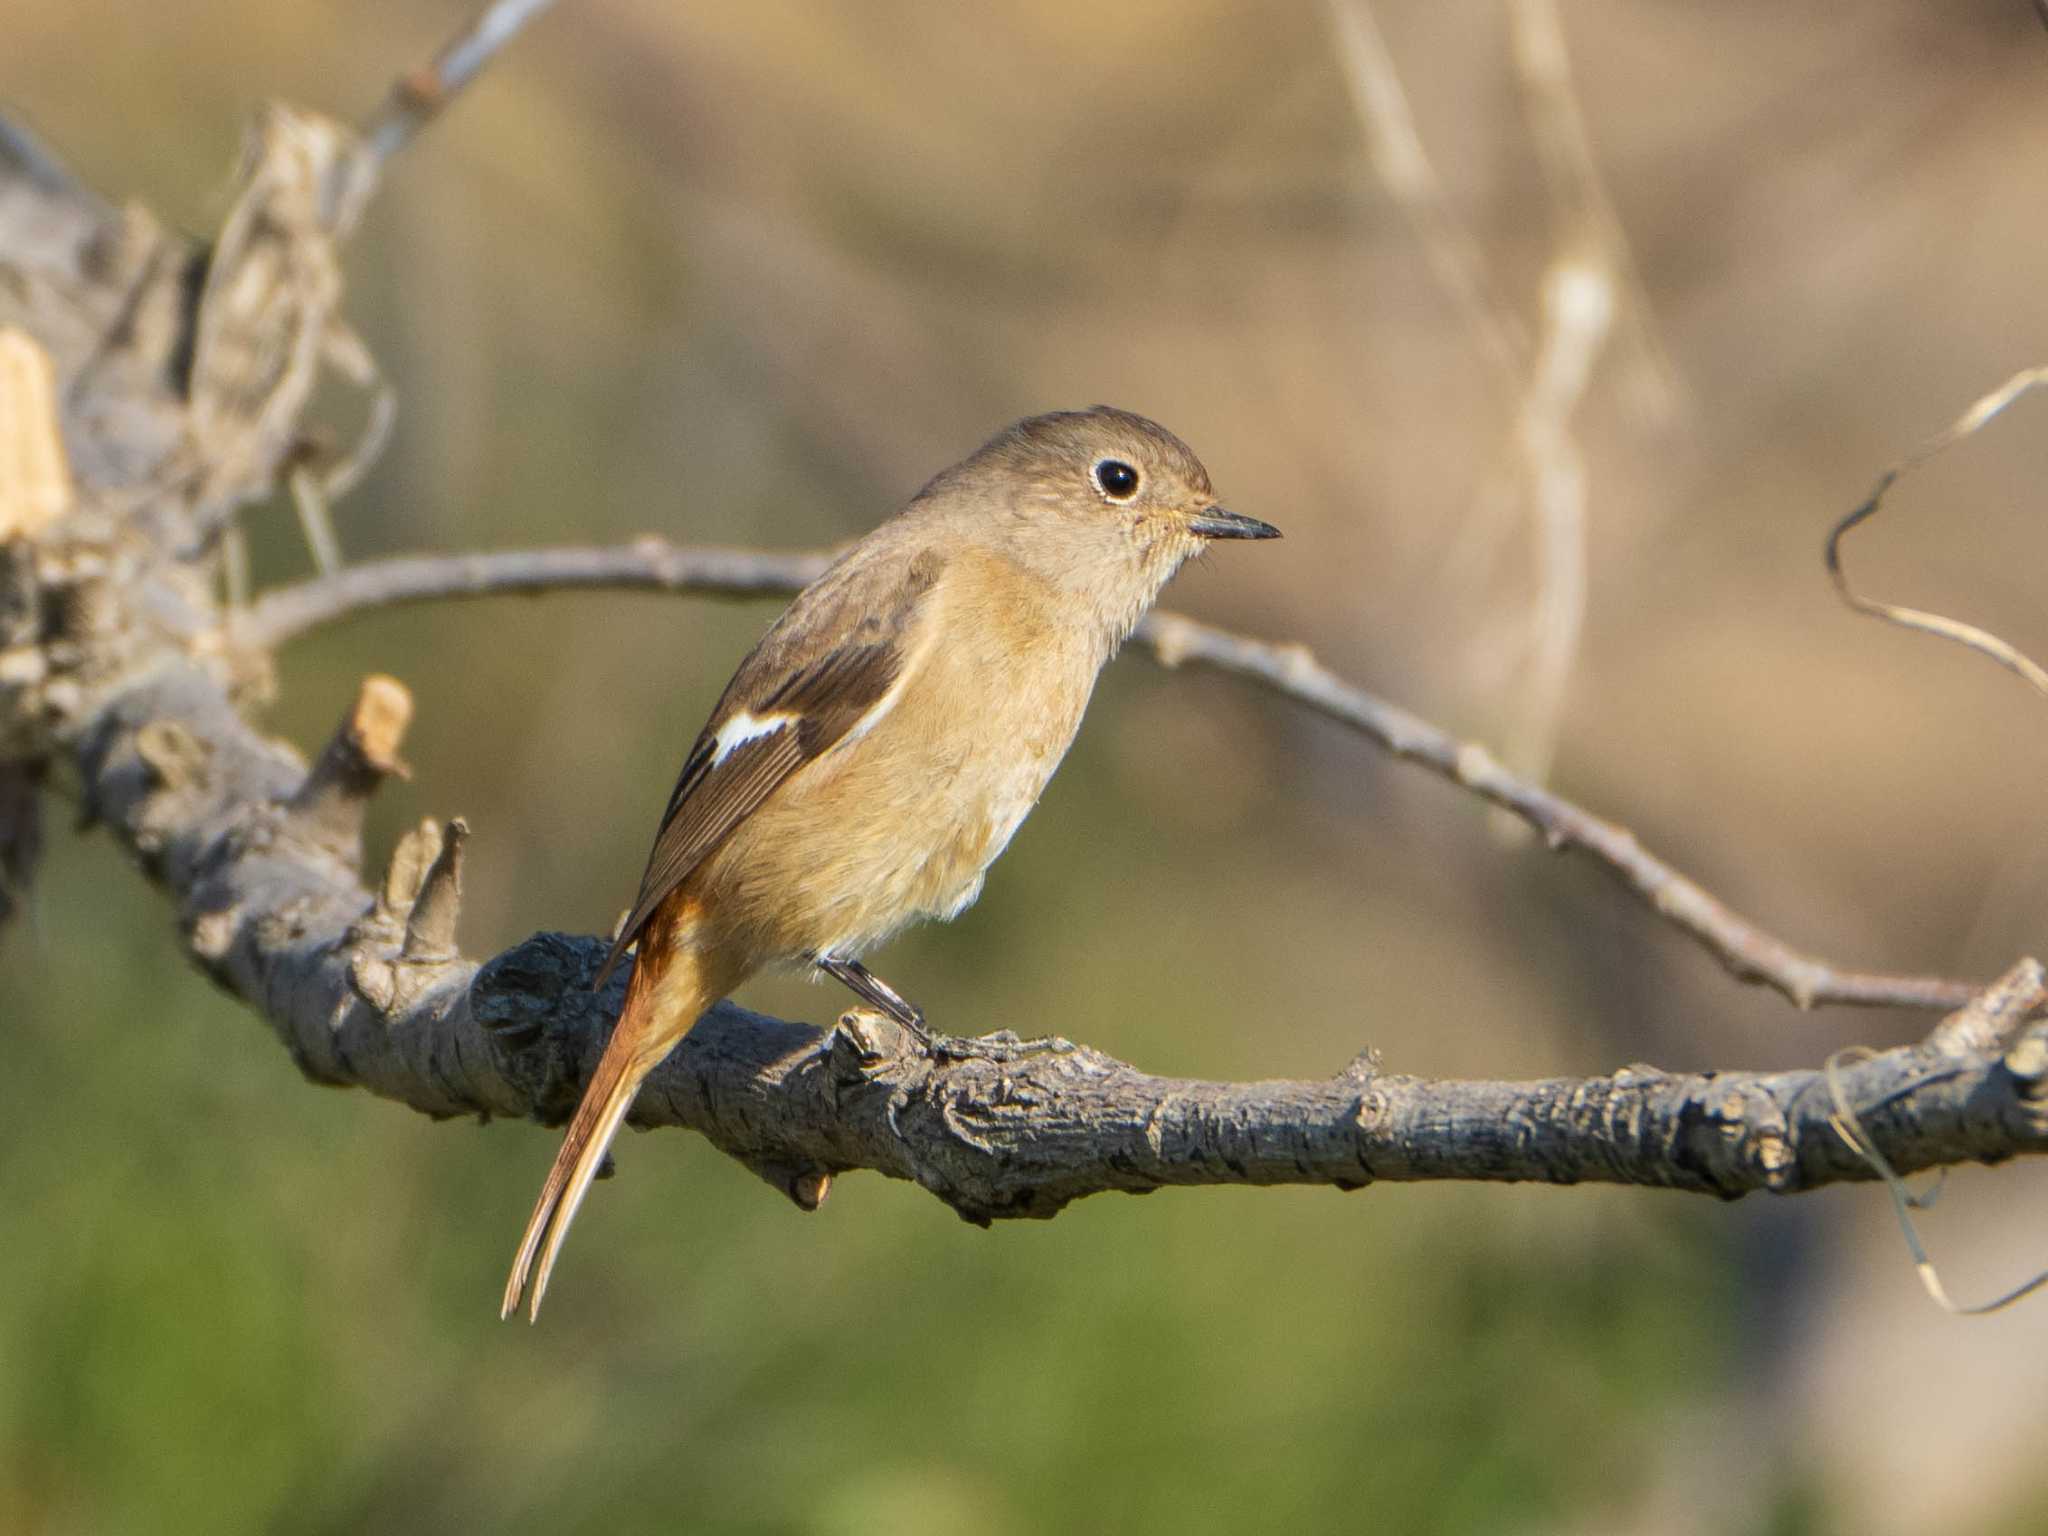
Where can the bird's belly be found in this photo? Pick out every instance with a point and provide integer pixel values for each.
(931, 856)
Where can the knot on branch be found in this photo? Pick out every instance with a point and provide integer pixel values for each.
(543, 1021)
(1735, 1137)
(2026, 1061)
(175, 763)
(975, 1122)
(405, 944)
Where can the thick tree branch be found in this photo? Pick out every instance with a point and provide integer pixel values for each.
(115, 655)
(278, 916)
(1289, 670)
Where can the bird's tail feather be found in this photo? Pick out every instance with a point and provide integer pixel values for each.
(663, 999)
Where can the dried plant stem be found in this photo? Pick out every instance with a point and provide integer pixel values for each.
(1982, 411)
(421, 95)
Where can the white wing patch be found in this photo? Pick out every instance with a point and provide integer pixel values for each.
(743, 728)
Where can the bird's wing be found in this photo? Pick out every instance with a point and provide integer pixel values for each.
(816, 676)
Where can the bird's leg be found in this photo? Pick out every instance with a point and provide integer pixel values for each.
(877, 993)
(1003, 1045)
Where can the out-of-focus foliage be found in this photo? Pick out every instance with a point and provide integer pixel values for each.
(748, 273)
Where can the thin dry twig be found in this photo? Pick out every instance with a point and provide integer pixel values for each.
(1584, 207)
(1578, 310)
(1589, 278)
(649, 565)
(1979, 640)
(420, 95)
(1289, 670)
(1578, 314)
(1404, 169)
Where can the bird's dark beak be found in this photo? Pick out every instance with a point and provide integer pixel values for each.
(1222, 523)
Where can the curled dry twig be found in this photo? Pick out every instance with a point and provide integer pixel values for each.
(1979, 640)
(1991, 1022)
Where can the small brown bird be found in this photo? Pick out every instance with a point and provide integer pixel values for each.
(877, 749)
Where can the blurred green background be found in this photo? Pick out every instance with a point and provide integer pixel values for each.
(750, 274)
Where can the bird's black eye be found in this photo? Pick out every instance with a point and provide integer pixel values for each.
(1115, 479)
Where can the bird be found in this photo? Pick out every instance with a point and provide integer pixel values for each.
(880, 745)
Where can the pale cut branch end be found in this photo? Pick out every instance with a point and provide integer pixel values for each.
(360, 756)
(805, 1187)
(35, 475)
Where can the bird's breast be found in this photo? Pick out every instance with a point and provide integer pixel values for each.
(903, 821)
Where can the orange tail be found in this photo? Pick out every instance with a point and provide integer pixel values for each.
(668, 990)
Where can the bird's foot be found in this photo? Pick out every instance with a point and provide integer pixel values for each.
(875, 992)
(1002, 1047)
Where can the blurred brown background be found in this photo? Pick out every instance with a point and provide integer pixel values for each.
(749, 274)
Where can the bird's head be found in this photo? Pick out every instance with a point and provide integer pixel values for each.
(1102, 502)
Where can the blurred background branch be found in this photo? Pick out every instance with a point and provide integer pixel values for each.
(423, 94)
(1985, 409)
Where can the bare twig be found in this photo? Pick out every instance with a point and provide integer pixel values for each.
(1589, 282)
(647, 564)
(1749, 952)
(1982, 641)
(1587, 276)
(1579, 197)
(1578, 308)
(1404, 169)
(420, 95)
(1289, 670)
(430, 928)
(267, 316)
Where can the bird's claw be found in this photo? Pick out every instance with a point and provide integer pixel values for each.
(1002, 1047)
